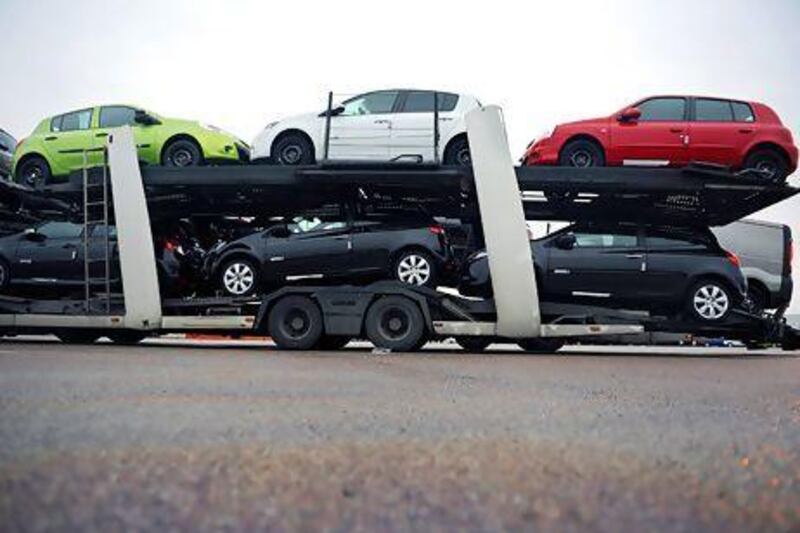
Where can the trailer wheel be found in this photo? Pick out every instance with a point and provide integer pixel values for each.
(333, 342)
(78, 336)
(540, 345)
(127, 337)
(395, 323)
(473, 344)
(295, 323)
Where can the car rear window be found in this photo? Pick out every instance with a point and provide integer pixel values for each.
(671, 238)
(710, 110)
(742, 112)
(422, 102)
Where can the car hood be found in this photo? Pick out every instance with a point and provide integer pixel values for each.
(585, 122)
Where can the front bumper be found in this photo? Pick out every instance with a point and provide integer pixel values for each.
(541, 152)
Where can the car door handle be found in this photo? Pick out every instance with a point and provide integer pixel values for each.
(676, 130)
(51, 138)
(746, 130)
(634, 256)
(102, 134)
(445, 119)
(383, 121)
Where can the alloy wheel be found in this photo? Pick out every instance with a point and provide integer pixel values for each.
(238, 278)
(182, 158)
(581, 159)
(710, 302)
(414, 269)
(291, 154)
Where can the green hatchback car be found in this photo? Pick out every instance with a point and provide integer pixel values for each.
(62, 144)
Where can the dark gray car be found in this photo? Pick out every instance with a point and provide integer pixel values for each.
(7, 146)
(654, 268)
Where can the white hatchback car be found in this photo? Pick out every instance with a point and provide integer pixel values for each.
(394, 124)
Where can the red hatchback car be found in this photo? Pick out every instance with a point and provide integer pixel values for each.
(674, 131)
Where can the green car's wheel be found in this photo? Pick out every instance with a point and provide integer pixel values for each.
(182, 153)
(33, 172)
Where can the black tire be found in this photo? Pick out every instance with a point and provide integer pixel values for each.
(333, 342)
(293, 149)
(582, 153)
(295, 323)
(78, 336)
(770, 163)
(127, 337)
(415, 267)
(395, 323)
(239, 277)
(473, 344)
(541, 345)
(709, 301)
(5, 276)
(458, 153)
(759, 299)
(33, 172)
(182, 153)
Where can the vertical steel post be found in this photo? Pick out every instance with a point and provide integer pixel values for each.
(105, 224)
(328, 126)
(86, 227)
(436, 158)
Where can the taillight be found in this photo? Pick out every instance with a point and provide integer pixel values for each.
(734, 259)
(169, 246)
(436, 230)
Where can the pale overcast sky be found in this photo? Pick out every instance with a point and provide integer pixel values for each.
(241, 64)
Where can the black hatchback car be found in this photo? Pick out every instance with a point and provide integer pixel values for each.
(654, 268)
(342, 242)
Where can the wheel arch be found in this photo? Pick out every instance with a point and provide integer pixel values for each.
(453, 140)
(584, 137)
(293, 131)
(767, 145)
(179, 137)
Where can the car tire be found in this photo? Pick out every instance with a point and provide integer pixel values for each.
(710, 301)
(295, 323)
(78, 336)
(333, 342)
(473, 344)
(582, 153)
(541, 345)
(34, 172)
(5, 276)
(395, 323)
(127, 337)
(415, 267)
(458, 153)
(293, 149)
(182, 153)
(239, 278)
(770, 163)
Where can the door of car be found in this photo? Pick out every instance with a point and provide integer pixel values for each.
(69, 137)
(658, 137)
(51, 255)
(116, 116)
(715, 134)
(412, 126)
(375, 236)
(317, 245)
(602, 264)
(672, 254)
(363, 129)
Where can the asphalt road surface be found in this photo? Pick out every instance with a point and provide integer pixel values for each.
(242, 437)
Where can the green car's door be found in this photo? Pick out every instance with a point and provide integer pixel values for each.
(70, 135)
(114, 116)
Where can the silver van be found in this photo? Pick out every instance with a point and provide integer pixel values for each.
(765, 250)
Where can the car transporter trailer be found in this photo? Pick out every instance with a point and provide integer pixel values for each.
(494, 194)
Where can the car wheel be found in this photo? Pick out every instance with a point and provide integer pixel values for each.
(473, 344)
(458, 153)
(710, 301)
(295, 323)
(5, 276)
(293, 149)
(77, 336)
(581, 153)
(769, 163)
(182, 153)
(239, 277)
(541, 345)
(333, 342)
(34, 172)
(395, 323)
(127, 337)
(415, 267)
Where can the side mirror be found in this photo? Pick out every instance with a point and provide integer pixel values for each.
(280, 232)
(144, 118)
(565, 241)
(4, 148)
(629, 114)
(335, 111)
(34, 236)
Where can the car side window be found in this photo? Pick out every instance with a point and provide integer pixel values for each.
(662, 110)
(115, 116)
(370, 103)
(61, 230)
(742, 112)
(711, 110)
(326, 218)
(600, 239)
(7, 141)
(55, 123)
(664, 240)
(422, 102)
(78, 120)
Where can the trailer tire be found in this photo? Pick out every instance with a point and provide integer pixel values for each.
(127, 337)
(540, 345)
(333, 342)
(396, 323)
(473, 344)
(78, 336)
(295, 323)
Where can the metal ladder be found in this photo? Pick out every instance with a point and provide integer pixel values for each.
(96, 228)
